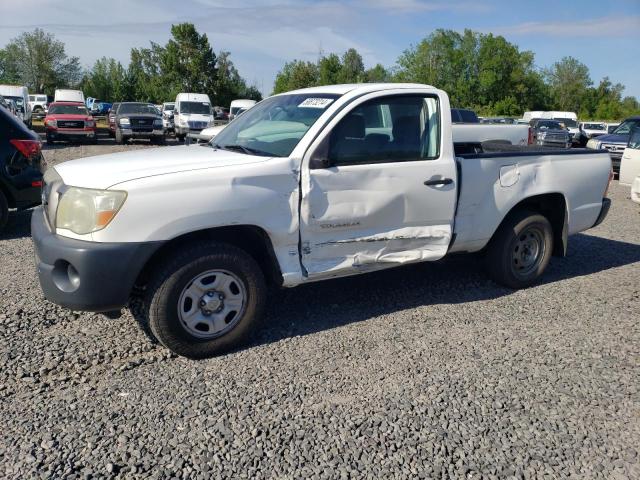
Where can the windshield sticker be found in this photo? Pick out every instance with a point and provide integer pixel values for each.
(316, 103)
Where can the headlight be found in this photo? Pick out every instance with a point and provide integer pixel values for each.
(89, 123)
(157, 122)
(594, 144)
(183, 121)
(125, 121)
(85, 210)
(52, 123)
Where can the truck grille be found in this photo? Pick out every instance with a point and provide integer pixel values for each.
(142, 124)
(70, 123)
(614, 150)
(197, 125)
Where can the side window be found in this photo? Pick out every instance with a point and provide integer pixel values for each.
(388, 129)
(469, 116)
(634, 139)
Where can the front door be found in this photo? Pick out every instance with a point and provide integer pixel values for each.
(387, 194)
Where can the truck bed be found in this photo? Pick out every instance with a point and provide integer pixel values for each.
(491, 183)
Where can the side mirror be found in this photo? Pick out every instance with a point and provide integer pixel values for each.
(320, 157)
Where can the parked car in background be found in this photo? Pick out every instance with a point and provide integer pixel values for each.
(463, 115)
(10, 105)
(20, 96)
(39, 104)
(98, 107)
(550, 133)
(502, 120)
(65, 95)
(303, 187)
(593, 129)
(21, 166)
(69, 122)
(111, 119)
(136, 120)
(192, 114)
(237, 105)
(630, 162)
(167, 116)
(617, 141)
(221, 113)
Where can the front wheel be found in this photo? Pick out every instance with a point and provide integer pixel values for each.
(206, 300)
(119, 138)
(520, 250)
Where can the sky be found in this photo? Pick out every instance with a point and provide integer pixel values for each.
(263, 34)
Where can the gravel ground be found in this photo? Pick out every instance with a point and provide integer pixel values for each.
(428, 371)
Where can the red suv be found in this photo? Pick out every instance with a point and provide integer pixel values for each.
(69, 121)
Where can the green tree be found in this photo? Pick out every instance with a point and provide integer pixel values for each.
(329, 68)
(352, 69)
(377, 74)
(569, 83)
(294, 75)
(39, 61)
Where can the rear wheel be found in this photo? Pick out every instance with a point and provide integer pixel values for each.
(520, 250)
(4, 210)
(206, 300)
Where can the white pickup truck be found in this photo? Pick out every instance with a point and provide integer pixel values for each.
(305, 186)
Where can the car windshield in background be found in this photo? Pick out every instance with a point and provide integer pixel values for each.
(567, 122)
(19, 101)
(594, 126)
(274, 126)
(68, 109)
(549, 125)
(625, 127)
(147, 108)
(202, 108)
(170, 106)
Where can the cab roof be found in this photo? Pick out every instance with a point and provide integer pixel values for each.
(359, 88)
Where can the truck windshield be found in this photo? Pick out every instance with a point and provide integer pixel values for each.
(626, 126)
(68, 109)
(570, 123)
(202, 108)
(126, 108)
(274, 126)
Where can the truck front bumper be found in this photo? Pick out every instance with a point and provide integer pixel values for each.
(82, 275)
(129, 133)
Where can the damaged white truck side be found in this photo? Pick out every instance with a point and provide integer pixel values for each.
(305, 186)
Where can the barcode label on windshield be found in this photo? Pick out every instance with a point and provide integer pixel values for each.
(316, 103)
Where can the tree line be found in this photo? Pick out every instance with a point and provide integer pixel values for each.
(187, 63)
(484, 72)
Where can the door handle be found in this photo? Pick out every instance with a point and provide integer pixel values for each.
(440, 181)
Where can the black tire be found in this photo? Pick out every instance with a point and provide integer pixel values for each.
(4, 210)
(507, 258)
(180, 137)
(49, 140)
(173, 276)
(159, 140)
(119, 138)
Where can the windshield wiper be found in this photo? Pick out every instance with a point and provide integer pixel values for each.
(243, 149)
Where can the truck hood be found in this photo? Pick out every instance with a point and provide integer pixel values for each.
(105, 171)
(611, 138)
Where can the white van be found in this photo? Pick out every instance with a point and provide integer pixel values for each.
(191, 114)
(239, 104)
(20, 95)
(62, 95)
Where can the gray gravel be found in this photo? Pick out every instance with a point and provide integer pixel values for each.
(429, 371)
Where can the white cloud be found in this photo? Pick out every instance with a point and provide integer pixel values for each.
(595, 28)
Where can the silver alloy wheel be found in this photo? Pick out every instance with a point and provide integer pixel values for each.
(528, 251)
(212, 304)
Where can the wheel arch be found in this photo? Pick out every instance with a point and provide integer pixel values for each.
(250, 238)
(554, 207)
